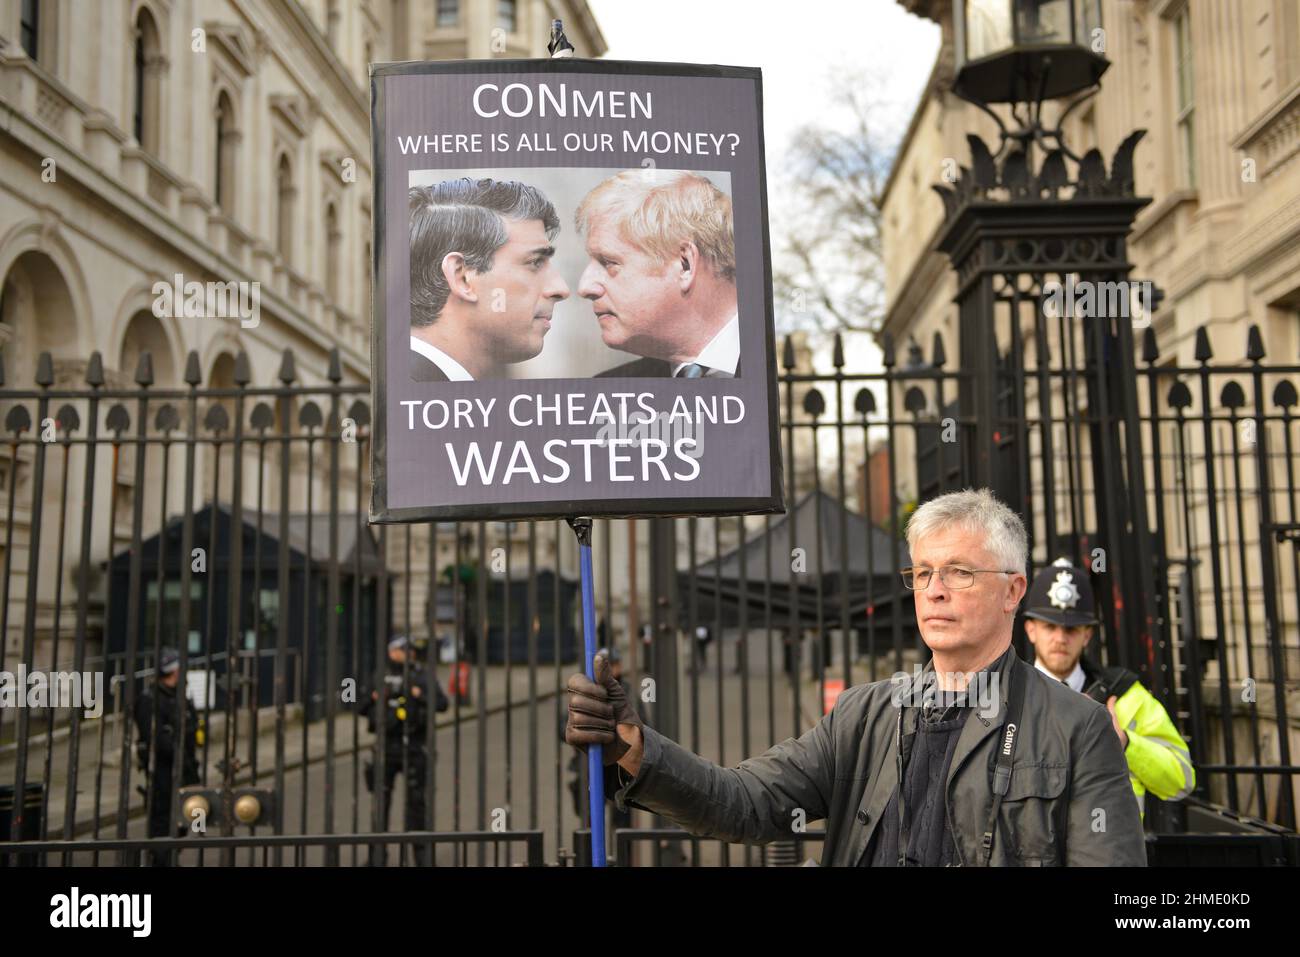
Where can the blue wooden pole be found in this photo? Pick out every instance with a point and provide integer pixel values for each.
(595, 753)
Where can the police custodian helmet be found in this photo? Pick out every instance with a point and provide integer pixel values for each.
(1061, 594)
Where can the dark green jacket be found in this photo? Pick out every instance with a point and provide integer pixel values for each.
(1069, 803)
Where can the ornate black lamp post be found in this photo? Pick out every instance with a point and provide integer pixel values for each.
(1051, 392)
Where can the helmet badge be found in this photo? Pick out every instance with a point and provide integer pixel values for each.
(1063, 594)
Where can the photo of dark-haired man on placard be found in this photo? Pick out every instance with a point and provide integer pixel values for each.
(483, 284)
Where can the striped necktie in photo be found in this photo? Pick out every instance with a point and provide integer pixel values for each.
(692, 370)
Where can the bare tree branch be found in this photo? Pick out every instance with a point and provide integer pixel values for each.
(828, 273)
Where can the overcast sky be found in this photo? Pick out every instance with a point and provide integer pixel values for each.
(801, 49)
(799, 53)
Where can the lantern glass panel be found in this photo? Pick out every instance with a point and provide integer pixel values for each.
(988, 27)
(1043, 21)
(1087, 17)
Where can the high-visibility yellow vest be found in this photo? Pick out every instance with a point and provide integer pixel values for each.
(1157, 755)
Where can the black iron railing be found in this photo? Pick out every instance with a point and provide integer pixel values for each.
(227, 520)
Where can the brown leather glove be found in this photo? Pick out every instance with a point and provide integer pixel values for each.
(596, 708)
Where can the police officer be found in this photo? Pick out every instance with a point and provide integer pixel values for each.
(160, 695)
(406, 690)
(1059, 621)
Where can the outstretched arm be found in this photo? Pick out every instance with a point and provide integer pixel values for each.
(753, 803)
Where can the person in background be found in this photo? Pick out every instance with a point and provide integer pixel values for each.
(160, 698)
(1060, 621)
(401, 693)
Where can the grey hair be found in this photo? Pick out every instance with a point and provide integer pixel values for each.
(465, 216)
(976, 510)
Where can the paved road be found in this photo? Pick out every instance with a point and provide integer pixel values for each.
(485, 779)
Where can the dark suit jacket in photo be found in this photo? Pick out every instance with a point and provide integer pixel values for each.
(644, 369)
(639, 369)
(424, 369)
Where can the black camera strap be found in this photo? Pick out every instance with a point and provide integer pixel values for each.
(1006, 754)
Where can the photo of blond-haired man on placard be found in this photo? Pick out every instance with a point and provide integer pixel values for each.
(661, 275)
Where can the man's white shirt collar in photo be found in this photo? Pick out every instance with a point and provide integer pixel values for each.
(722, 354)
(1076, 679)
(452, 369)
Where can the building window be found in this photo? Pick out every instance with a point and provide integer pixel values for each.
(227, 140)
(284, 208)
(508, 15)
(448, 13)
(1186, 103)
(333, 243)
(29, 29)
(137, 118)
(148, 72)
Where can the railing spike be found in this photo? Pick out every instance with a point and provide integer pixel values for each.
(1150, 351)
(144, 370)
(193, 371)
(1254, 344)
(95, 370)
(1203, 351)
(287, 374)
(243, 374)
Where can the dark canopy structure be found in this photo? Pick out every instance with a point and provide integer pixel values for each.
(857, 561)
(261, 603)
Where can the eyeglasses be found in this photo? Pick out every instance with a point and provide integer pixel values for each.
(952, 576)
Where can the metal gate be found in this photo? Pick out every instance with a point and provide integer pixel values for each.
(754, 624)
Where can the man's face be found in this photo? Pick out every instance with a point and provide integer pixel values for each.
(170, 678)
(517, 296)
(963, 620)
(1058, 647)
(632, 293)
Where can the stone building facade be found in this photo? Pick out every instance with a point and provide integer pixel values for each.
(218, 141)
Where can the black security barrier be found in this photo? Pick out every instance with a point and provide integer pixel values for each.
(229, 521)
